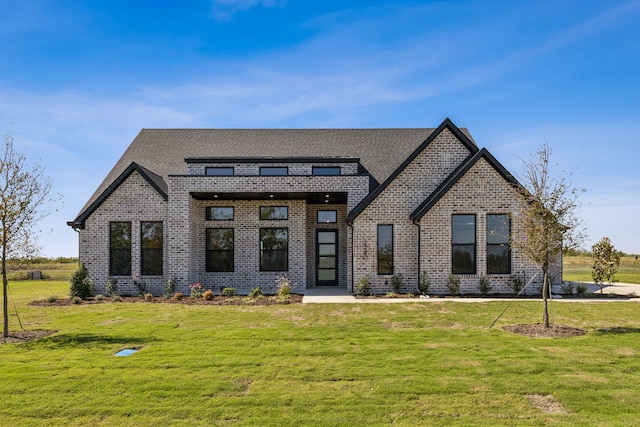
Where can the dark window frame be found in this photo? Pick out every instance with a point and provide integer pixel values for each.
(120, 257)
(335, 215)
(384, 257)
(213, 255)
(317, 170)
(209, 210)
(223, 169)
(457, 265)
(265, 253)
(286, 218)
(264, 169)
(505, 246)
(151, 258)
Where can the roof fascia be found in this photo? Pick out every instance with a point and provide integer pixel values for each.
(79, 222)
(272, 160)
(446, 124)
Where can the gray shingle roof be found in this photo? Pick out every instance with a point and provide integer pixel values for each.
(163, 151)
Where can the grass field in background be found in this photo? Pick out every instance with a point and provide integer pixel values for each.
(578, 268)
(434, 363)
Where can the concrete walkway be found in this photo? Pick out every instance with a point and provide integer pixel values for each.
(342, 296)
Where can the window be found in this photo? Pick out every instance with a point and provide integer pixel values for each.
(219, 213)
(327, 217)
(219, 171)
(120, 249)
(219, 249)
(326, 170)
(274, 249)
(463, 244)
(498, 249)
(271, 170)
(274, 212)
(151, 243)
(385, 249)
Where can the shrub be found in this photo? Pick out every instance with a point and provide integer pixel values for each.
(52, 298)
(99, 297)
(581, 288)
(364, 286)
(80, 285)
(148, 297)
(117, 298)
(207, 295)
(112, 287)
(284, 288)
(396, 282)
(76, 300)
(141, 285)
(516, 282)
(485, 285)
(196, 290)
(229, 292)
(256, 293)
(453, 283)
(171, 286)
(177, 296)
(567, 288)
(423, 285)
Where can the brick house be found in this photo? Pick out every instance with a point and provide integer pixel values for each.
(324, 207)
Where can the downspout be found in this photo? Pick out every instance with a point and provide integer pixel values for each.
(350, 225)
(417, 224)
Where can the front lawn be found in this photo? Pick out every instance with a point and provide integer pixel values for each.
(423, 363)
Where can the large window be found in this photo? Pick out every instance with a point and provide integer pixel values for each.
(274, 212)
(219, 213)
(463, 244)
(385, 249)
(274, 171)
(274, 249)
(326, 170)
(120, 248)
(498, 249)
(151, 245)
(219, 171)
(220, 249)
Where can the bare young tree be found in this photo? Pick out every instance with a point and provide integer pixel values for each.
(24, 193)
(550, 216)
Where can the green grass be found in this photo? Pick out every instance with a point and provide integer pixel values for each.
(578, 268)
(409, 364)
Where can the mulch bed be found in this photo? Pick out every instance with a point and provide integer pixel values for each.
(537, 330)
(217, 300)
(26, 336)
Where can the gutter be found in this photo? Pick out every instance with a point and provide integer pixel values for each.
(417, 224)
(350, 225)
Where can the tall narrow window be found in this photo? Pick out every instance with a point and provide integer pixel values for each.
(151, 246)
(463, 244)
(120, 248)
(220, 249)
(274, 249)
(498, 247)
(385, 249)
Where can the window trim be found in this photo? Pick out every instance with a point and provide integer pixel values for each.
(286, 250)
(335, 213)
(266, 168)
(286, 218)
(326, 168)
(143, 249)
(126, 272)
(378, 250)
(474, 245)
(507, 244)
(210, 252)
(220, 168)
(210, 217)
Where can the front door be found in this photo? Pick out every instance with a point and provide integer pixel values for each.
(327, 258)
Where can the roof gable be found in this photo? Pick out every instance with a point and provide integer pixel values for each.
(446, 124)
(154, 180)
(456, 175)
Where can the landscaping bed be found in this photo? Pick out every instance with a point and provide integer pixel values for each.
(216, 300)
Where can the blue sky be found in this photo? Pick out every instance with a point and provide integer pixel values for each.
(79, 79)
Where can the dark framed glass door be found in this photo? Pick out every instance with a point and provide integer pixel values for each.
(327, 257)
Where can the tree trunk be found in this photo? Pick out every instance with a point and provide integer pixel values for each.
(545, 296)
(5, 300)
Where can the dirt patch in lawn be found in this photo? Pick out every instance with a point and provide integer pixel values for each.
(217, 300)
(26, 336)
(546, 403)
(538, 330)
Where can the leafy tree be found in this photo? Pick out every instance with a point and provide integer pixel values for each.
(606, 261)
(24, 192)
(550, 216)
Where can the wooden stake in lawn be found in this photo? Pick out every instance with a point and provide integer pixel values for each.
(549, 216)
(24, 191)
